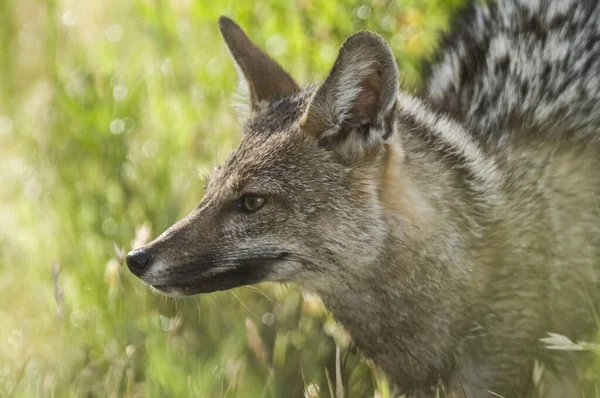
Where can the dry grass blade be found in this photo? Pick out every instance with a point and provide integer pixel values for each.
(255, 342)
(559, 342)
(58, 291)
(142, 235)
(339, 387)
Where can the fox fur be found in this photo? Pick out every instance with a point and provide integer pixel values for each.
(447, 230)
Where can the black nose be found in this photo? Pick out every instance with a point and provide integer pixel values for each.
(138, 260)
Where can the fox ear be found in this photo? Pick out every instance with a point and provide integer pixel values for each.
(261, 78)
(354, 108)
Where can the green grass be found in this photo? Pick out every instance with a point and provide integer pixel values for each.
(110, 114)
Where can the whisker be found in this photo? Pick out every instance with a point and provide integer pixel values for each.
(245, 307)
(260, 292)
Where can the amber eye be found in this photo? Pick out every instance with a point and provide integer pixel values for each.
(249, 203)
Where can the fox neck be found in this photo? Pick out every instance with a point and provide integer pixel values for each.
(432, 199)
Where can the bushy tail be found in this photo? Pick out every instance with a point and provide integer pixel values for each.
(521, 63)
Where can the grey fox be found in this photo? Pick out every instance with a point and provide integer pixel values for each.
(447, 230)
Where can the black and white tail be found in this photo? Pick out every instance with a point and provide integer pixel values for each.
(516, 65)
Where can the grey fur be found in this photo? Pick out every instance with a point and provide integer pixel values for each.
(449, 246)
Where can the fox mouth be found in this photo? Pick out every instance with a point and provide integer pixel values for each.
(223, 281)
(208, 281)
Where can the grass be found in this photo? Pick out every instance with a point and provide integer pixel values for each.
(110, 114)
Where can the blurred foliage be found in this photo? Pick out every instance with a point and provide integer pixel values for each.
(110, 114)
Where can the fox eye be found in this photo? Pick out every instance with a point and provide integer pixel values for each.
(249, 203)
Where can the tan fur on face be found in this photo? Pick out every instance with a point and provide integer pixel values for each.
(398, 194)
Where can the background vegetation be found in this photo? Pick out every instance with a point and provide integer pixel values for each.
(110, 113)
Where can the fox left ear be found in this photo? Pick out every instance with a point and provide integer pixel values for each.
(262, 78)
(355, 107)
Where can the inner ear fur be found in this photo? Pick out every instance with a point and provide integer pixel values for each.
(359, 94)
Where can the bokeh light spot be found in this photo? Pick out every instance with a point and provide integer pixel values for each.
(276, 45)
(363, 12)
(120, 92)
(114, 33)
(117, 126)
(68, 18)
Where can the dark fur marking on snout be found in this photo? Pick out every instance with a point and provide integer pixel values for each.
(199, 276)
(283, 255)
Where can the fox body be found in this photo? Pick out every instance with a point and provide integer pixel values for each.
(447, 230)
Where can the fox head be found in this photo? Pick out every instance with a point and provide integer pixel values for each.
(300, 199)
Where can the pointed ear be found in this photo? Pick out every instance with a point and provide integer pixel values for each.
(355, 107)
(261, 78)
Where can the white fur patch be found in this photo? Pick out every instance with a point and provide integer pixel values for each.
(455, 136)
(241, 99)
(349, 87)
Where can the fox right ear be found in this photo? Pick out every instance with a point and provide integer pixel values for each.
(261, 78)
(354, 109)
